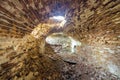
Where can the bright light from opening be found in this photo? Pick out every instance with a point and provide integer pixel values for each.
(60, 18)
(62, 23)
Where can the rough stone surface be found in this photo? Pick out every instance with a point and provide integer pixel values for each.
(95, 23)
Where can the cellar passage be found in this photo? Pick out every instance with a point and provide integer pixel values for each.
(59, 39)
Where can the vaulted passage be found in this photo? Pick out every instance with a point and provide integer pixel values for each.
(59, 39)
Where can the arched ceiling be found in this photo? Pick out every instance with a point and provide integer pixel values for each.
(90, 21)
(19, 17)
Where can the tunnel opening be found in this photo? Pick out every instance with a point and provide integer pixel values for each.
(59, 39)
(61, 43)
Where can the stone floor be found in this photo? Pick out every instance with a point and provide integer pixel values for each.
(87, 63)
(91, 63)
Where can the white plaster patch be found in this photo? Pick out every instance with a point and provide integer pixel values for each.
(101, 51)
(114, 69)
(109, 50)
(74, 43)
